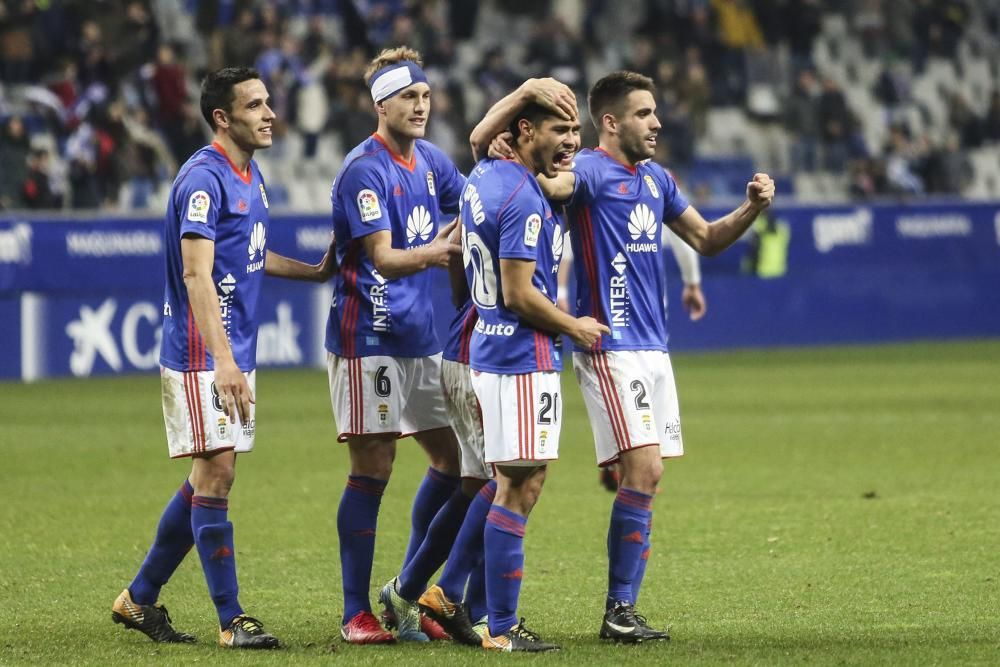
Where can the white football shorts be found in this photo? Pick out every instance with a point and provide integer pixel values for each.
(466, 417)
(631, 400)
(522, 416)
(193, 416)
(395, 395)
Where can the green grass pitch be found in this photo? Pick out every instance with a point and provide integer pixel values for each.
(835, 506)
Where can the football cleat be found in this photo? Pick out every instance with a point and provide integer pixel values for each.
(364, 628)
(454, 618)
(433, 629)
(518, 638)
(151, 620)
(246, 632)
(622, 624)
(407, 613)
(481, 627)
(650, 633)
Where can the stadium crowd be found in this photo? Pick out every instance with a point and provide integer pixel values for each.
(887, 97)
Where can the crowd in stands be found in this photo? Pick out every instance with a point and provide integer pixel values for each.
(99, 98)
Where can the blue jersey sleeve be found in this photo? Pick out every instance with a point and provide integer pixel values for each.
(198, 200)
(363, 198)
(585, 185)
(674, 201)
(520, 222)
(449, 181)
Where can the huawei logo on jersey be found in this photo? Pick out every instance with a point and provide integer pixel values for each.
(557, 247)
(256, 247)
(642, 221)
(418, 224)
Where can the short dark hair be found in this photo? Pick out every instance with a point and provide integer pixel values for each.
(534, 113)
(607, 95)
(217, 90)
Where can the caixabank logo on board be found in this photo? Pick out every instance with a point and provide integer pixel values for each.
(15, 244)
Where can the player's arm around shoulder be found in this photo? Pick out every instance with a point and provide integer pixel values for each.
(394, 263)
(280, 266)
(711, 238)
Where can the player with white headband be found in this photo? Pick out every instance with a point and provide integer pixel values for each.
(384, 360)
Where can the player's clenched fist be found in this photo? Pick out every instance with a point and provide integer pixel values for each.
(760, 191)
(588, 331)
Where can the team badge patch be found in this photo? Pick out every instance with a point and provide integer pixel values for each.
(263, 196)
(532, 227)
(430, 183)
(652, 186)
(368, 206)
(198, 206)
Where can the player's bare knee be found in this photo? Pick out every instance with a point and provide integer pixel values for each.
(442, 450)
(213, 476)
(472, 485)
(372, 457)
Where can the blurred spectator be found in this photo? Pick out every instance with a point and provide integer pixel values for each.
(239, 40)
(901, 156)
(37, 190)
(991, 123)
(170, 89)
(14, 149)
(964, 121)
(16, 49)
(495, 77)
(802, 118)
(835, 123)
(948, 170)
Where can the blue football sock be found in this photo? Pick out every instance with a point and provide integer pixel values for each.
(475, 594)
(504, 542)
(437, 544)
(467, 551)
(433, 493)
(172, 542)
(626, 537)
(213, 535)
(356, 522)
(647, 548)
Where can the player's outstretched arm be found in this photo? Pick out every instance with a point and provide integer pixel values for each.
(712, 238)
(522, 297)
(280, 266)
(198, 257)
(547, 92)
(395, 263)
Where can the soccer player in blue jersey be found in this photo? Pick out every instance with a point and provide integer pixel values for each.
(617, 200)
(384, 356)
(512, 244)
(216, 241)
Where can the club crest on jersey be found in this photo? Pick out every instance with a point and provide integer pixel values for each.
(368, 206)
(430, 184)
(532, 228)
(198, 206)
(652, 186)
(263, 195)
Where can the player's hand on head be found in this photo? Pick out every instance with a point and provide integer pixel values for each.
(588, 331)
(694, 302)
(500, 147)
(760, 191)
(555, 96)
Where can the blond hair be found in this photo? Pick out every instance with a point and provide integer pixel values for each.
(391, 57)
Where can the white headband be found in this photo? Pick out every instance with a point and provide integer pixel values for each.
(387, 82)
